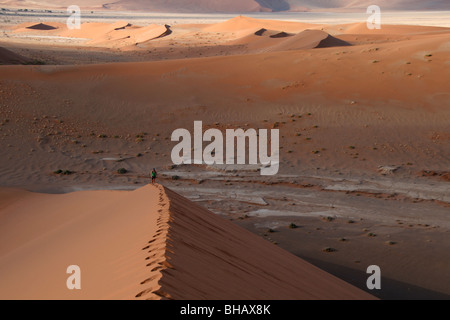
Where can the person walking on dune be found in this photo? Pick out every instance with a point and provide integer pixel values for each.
(153, 174)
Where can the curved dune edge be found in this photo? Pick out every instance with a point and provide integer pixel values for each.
(208, 257)
(157, 249)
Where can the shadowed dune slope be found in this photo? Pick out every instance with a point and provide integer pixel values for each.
(265, 40)
(211, 258)
(9, 57)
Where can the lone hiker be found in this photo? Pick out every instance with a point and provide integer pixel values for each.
(153, 174)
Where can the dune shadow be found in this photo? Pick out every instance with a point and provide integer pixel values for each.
(165, 34)
(124, 27)
(281, 35)
(41, 26)
(331, 41)
(390, 289)
(260, 32)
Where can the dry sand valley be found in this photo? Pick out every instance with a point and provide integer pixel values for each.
(364, 122)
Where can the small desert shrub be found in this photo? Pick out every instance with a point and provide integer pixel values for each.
(34, 62)
(175, 178)
(122, 171)
(63, 172)
(371, 234)
(293, 226)
(328, 249)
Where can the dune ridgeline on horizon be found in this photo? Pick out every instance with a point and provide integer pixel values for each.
(234, 6)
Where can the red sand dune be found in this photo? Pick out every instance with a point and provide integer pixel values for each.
(94, 30)
(117, 34)
(270, 41)
(241, 23)
(151, 244)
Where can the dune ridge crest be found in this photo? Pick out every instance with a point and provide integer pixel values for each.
(208, 257)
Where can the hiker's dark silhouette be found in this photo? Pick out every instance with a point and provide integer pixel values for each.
(153, 174)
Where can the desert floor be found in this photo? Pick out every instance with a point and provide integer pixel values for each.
(364, 118)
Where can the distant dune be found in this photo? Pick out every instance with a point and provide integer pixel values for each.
(148, 244)
(204, 6)
(265, 40)
(255, 34)
(114, 35)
